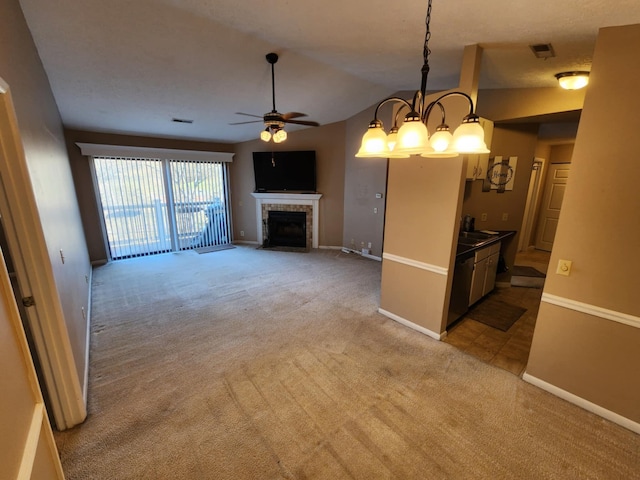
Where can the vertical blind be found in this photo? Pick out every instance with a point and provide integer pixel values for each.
(153, 206)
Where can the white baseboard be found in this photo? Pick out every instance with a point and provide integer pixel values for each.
(411, 325)
(357, 252)
(582, 403)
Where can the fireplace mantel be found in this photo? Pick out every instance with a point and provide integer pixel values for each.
(312, 199)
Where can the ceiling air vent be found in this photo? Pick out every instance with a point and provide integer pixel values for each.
(543, 50)
(182, 120)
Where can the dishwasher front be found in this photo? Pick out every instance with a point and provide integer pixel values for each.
(461, 288)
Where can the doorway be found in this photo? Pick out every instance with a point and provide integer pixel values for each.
(554, 189)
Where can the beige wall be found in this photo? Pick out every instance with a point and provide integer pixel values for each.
(364, 178)
(517, 103)
(596, 358)
(48, 164)
(84, 184)
(328, 141)
(423, 207)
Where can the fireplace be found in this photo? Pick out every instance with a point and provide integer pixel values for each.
(286, 229)
(307, 203)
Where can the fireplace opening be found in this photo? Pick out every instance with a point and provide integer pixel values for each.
(286, 229)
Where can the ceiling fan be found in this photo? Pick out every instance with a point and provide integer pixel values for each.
(275, 121)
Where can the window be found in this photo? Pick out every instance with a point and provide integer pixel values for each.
(156, 205)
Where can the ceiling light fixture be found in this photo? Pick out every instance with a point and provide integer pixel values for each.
(573, 80)
(412, 138)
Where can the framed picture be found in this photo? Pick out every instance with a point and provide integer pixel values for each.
(501, 173)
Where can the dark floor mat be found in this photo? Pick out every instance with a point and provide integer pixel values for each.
(496, 313)
(214, 248)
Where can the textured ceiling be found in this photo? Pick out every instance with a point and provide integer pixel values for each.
(132, 66)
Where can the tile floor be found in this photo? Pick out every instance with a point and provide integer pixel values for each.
(508, 350)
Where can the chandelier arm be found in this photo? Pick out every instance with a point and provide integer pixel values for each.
(390, 99)
(429, 108)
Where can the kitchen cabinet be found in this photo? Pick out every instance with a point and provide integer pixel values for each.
(485, 269)
(477, 164)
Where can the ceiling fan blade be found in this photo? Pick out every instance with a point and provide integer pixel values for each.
(243, 123)
(303, 122)
(288, 115)
(249, 114)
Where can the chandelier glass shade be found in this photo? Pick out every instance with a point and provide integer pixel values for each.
(412, 137)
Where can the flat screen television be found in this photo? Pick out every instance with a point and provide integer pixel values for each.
(285, 171)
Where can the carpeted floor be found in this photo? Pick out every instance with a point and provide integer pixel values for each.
(255, 364)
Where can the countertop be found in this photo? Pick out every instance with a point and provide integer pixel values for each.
(465, 251)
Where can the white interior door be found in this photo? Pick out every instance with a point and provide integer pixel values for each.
(555, 186)
(27, 447)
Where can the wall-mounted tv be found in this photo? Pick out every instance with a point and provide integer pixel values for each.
(285, 171)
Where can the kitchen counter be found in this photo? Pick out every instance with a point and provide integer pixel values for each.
(464, 251)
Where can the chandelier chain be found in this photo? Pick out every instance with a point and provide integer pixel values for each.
(425, 66)
(426, 51)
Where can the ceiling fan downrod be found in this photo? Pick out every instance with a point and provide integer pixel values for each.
(272, 58)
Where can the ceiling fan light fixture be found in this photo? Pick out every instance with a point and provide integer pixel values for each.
(573, 80)
(280, 136)
(265, 135)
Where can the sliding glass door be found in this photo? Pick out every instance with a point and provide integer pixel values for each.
(156, 206)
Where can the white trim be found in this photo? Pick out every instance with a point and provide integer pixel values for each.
(594, 310)
(329, 247)
(35, 273)
(581, 402)
(31, 444)
(300, 198)
(312, 199)
(357, 252)
(87, 347)
(411, 325)
(101, 150)
(416, 264)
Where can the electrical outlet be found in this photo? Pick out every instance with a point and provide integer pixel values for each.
(505, 217)
(375, 210)
(564, 267)
(483, 217)
(242, 233)
(369, 245)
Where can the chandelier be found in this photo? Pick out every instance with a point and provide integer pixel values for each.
(412, 138)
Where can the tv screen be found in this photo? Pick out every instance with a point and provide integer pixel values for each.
(285, 171)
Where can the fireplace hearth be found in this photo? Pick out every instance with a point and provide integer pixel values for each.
(286, 229)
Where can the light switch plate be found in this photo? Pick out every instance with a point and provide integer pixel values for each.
(564, 267)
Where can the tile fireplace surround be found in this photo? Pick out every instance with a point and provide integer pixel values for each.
(292, 202)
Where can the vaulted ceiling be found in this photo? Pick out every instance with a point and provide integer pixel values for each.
(126, 66)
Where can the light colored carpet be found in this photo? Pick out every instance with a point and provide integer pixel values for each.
(255, 364)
